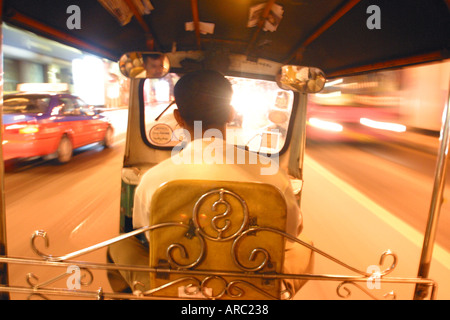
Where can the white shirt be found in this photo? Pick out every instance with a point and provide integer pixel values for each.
(206, 160)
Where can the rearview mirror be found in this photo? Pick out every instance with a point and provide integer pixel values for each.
(144, 65)
(301, 79)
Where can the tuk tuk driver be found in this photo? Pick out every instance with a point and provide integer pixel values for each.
(203, 99)
(153, 66)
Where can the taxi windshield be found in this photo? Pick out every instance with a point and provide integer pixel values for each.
(262, 113)
(26, 104)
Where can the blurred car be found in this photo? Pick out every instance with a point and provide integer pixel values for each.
(50, 125)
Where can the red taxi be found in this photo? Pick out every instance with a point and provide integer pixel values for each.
(50, 125)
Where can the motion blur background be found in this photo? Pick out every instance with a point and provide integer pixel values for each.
(374, 135)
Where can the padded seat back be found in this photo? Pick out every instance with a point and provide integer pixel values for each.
(216, 228)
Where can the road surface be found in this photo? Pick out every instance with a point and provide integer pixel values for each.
(358, 201)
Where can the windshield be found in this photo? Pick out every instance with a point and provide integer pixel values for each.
(262, 113)
(26, 104)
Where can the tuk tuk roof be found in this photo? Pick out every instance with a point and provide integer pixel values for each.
(337, 36)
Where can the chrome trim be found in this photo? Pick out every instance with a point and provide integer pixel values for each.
(436, 200)
(109, 295)
(197, 279)
(221, 192)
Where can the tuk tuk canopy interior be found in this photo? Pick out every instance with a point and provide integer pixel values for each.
(341, 37)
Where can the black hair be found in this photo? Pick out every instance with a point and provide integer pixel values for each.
(204, 95)
(153, 56)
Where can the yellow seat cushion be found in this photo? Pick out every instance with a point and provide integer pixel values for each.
(217, 218)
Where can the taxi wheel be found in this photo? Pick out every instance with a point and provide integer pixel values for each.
(109, 138)
(65, 150)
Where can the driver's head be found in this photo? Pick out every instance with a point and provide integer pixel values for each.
(204, 95)
(153, 64)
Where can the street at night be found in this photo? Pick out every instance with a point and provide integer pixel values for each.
(302, 145)
(358, 201)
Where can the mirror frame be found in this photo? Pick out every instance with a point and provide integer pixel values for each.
(301, 79)
(144, 65)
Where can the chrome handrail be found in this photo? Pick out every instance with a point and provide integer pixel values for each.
(196, 277)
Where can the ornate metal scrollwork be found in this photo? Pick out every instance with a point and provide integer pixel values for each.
(214, 221)
(83, 278)
(343, 291)
(254, 252)
(233, 285)
(221, 226)
(233, 289)
(392, 266)
(40, 234)
(193, 283)
(212, 296)
(184, 253)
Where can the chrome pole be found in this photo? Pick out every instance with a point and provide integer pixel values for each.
(436, 202)
(3, 248)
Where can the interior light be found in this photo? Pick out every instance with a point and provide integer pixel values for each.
(383, 125)
(333, 94)
(325, 125)
(333, 83)
(42, 87)
(88, 77)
